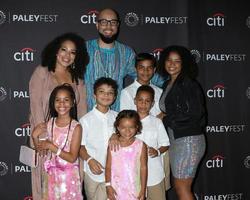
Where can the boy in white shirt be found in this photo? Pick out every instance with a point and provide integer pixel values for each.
(145, 65)
(97, 127)
(156, 138)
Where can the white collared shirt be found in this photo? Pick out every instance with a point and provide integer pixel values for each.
(154, 135)
(128, 95)
(97, 127)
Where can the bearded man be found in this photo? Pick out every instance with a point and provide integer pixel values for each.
(108, 57)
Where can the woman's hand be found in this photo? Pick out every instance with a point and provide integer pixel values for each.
(39, 130)
(161, 115)
(114, 143)
(111, 193)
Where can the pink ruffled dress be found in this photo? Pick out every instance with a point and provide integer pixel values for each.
(63, 177)
(125, 171)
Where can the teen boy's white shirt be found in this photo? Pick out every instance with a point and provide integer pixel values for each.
(97, 127)
(154, 135)
(128, 95)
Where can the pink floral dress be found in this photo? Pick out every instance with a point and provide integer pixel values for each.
(63, 181)
(125, 171)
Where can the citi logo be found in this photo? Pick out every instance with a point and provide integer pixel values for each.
(217, 161)
(26, 54)
(217, 19)
(90, 18)
(218, 91)
(157, 52)
(28, 198)
(23, 131)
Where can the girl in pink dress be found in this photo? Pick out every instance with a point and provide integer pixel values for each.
(126, 168)
(61, 146)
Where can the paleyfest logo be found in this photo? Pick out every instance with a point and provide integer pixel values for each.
(248, 92)
(230, 196)
(225, 128)
(90, 17)
(247, 162)
(2, 17)
(196, 54)
(217, 57)
(3, 93)
(3, 168)
(133, 19)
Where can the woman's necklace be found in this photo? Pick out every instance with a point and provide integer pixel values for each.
(62, 78)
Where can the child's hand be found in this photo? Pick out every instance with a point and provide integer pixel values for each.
(95, 167)
(141, 195)
(111, 193)
(152, 152)
(44, 145)
(114, 143)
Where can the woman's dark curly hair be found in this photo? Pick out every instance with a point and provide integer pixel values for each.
(189, 66)
(129, 114)
(81, 60)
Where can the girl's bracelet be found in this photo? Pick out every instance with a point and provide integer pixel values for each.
(107, 184)
(59, 150)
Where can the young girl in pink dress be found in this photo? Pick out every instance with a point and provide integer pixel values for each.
(126, 168)
(61, 146)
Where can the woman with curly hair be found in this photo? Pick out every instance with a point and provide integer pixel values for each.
(183, 104)
(63, 61)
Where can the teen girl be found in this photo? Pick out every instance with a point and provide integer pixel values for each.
(62, 180)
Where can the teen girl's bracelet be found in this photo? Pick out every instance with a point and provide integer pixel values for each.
(58, 151)
(90, 158)
(107, 184)
(158, 151)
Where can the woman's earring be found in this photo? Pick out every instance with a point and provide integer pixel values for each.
(73, 66)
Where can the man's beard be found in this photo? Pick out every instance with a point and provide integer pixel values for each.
(108, 40)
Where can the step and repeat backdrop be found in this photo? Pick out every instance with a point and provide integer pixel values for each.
(217, 34)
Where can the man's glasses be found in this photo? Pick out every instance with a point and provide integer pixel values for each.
(105, 22)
